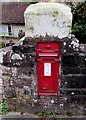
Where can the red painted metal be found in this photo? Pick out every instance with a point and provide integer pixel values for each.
(48, 55)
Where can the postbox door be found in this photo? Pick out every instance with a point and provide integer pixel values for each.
(48, 77)
(48, 55)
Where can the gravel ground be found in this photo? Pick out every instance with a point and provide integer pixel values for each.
(19, 115)
(28, 116)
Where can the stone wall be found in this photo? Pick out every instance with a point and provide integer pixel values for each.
(20, 78)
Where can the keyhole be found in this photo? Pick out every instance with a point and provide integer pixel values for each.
(45, 79)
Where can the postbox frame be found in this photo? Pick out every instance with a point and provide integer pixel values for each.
(48, 52)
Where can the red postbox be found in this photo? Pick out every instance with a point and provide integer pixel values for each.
(48, 55)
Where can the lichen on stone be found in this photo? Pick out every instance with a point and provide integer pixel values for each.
(53, 19)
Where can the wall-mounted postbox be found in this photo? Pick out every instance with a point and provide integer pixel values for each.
(48, 55)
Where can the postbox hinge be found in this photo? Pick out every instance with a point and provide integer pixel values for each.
(57, 60)
(44, 88)
(56, 50)
(39, 60)
(39, 50)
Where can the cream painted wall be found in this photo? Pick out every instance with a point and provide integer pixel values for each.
(4, 30)
(15, 29)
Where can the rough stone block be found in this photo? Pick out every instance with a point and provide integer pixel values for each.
(71, 70)
(10, 92)
(83, 70)
(78, 81)
(70, 61)
(52, 19)
(73, 61)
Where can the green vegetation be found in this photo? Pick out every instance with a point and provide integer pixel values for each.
(4, 108)
(39, 114)
(69, 113)
(2, 43)
(46, 114)
(79, 21)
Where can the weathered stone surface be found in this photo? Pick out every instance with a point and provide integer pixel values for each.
(73, 60)
(53, 19)
(83, 48)
(10, 92)
(16, 57)
(71, 70)
(76, 81)
(1, 56)
(12, 102)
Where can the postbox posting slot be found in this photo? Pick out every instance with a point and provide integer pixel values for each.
(55, 50)
(48, 55)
